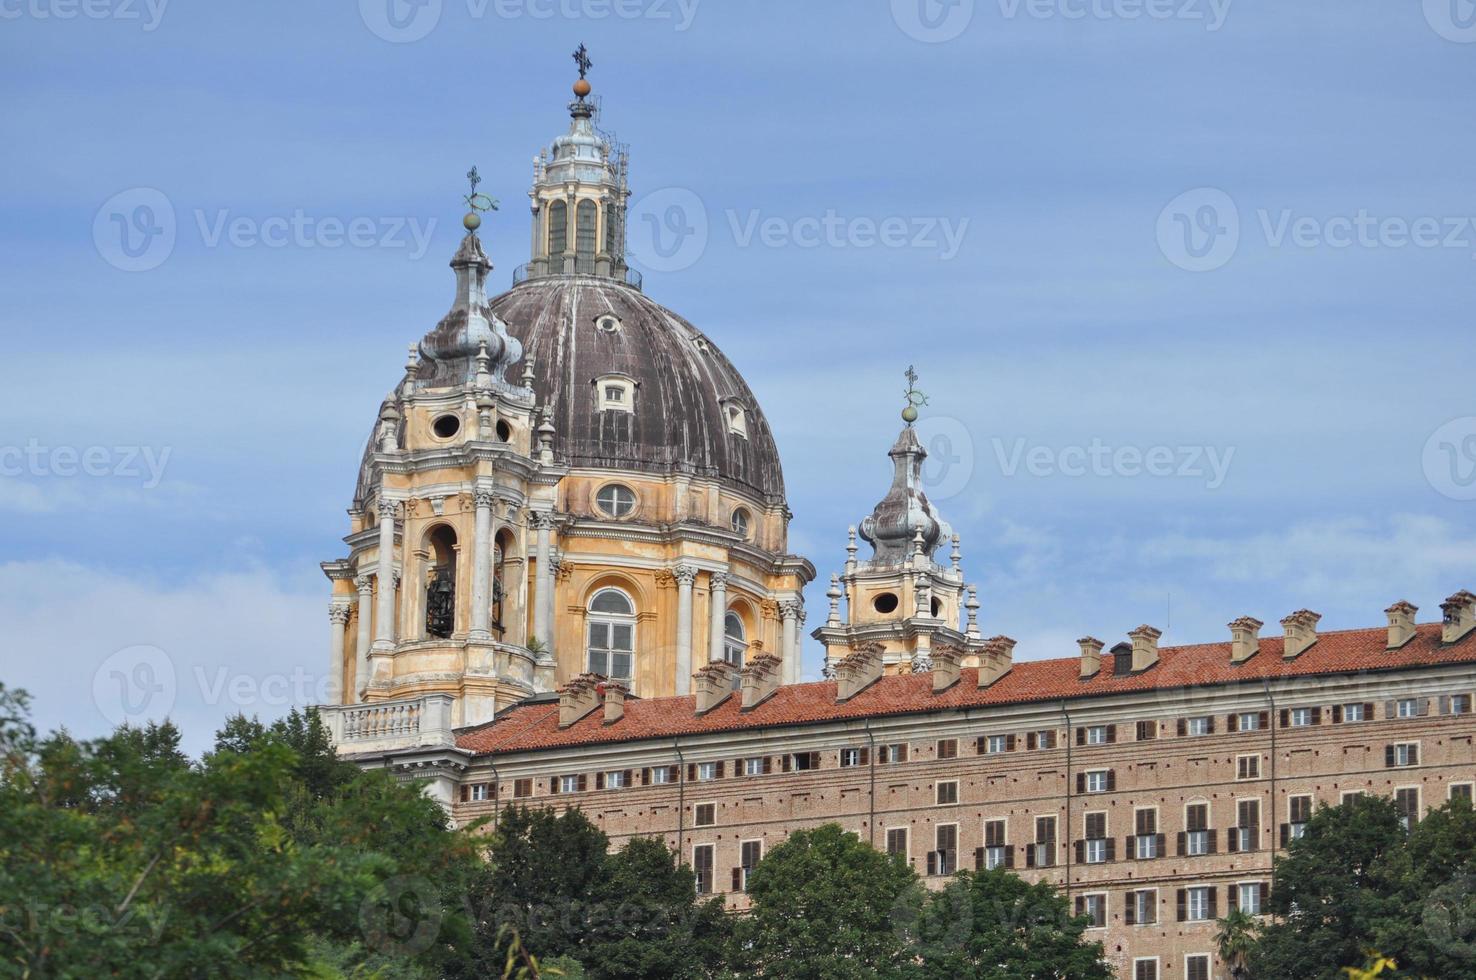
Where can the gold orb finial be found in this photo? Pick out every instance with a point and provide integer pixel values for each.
(582, 87)
(909, 415)
(472, 221)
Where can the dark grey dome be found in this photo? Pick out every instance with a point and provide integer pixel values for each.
(581, 328)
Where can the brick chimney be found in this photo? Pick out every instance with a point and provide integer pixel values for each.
(1301, 632)
(615, 693)
(1145, 647)
(760, 679)
(1401, 623)
(996, 659)
(578, 698)
(713, 683)
(858, 671)
(946, 663)
(1460, 616)
(1091, 656)
(1245, 639)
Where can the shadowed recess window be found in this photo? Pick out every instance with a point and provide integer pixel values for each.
(584, 236)
(611, 634)
(558, 228)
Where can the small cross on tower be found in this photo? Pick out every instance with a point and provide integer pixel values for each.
(581, 58)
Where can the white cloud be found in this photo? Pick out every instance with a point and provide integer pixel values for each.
(81, 638)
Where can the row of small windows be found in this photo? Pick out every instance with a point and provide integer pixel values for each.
(445, 427)
(617, 393)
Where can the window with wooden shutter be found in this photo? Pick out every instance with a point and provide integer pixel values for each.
(1146, 731)
(947, 748)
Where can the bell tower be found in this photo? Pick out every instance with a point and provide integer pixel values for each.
(902, 597)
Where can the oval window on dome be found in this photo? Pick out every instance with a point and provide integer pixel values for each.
(740, 522)
(616, 500)
(446, 426)
(885, 603)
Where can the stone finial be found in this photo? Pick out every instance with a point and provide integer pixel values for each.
(1301, 632)
(760, 679)
(851, 549)
(857, 672)
(713, 683)
(1245, 638)
(1401, 623)
(956, 558)
(1459, 616)
(615, 693)
(546, 437)
(578, 698)
(996, 659)
(971, 627)
(1091, 656)
(527, 372)
(947, 662)
(834, 595)
(1145, 647)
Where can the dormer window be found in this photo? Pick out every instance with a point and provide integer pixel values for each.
(737, 419)
(615, 393)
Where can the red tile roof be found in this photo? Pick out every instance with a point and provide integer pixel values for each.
(1181, 671)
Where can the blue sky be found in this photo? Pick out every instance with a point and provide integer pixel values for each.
(1238, 232)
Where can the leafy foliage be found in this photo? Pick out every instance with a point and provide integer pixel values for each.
(995, 925)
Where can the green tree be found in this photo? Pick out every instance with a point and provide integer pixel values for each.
(1329, 891)
(120, 857)
(995, 925)
(1236, 939)
(827, 906)
(646, 924)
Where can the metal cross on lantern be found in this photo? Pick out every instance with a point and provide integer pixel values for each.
(475, 201)
(914, 396)
(581, 58)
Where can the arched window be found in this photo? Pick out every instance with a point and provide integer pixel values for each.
(735, 639)
(584, 236)
(740, 522)
(611, 634)
(558, 228)
(440, 583)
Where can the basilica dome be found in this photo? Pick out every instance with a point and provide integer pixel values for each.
(682, 406)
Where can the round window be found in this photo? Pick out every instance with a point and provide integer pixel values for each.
(740, 522)
(937, 607)
(885, 603)
(608, 324)
(504, 431)
(446, 426)
(616, 499)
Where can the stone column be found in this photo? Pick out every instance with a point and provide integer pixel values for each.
(366, 638)
(482, 545)
(384, 631)
(685, 575)
(789, 638)
(543, 587)
(338, 617)
(718, 589)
